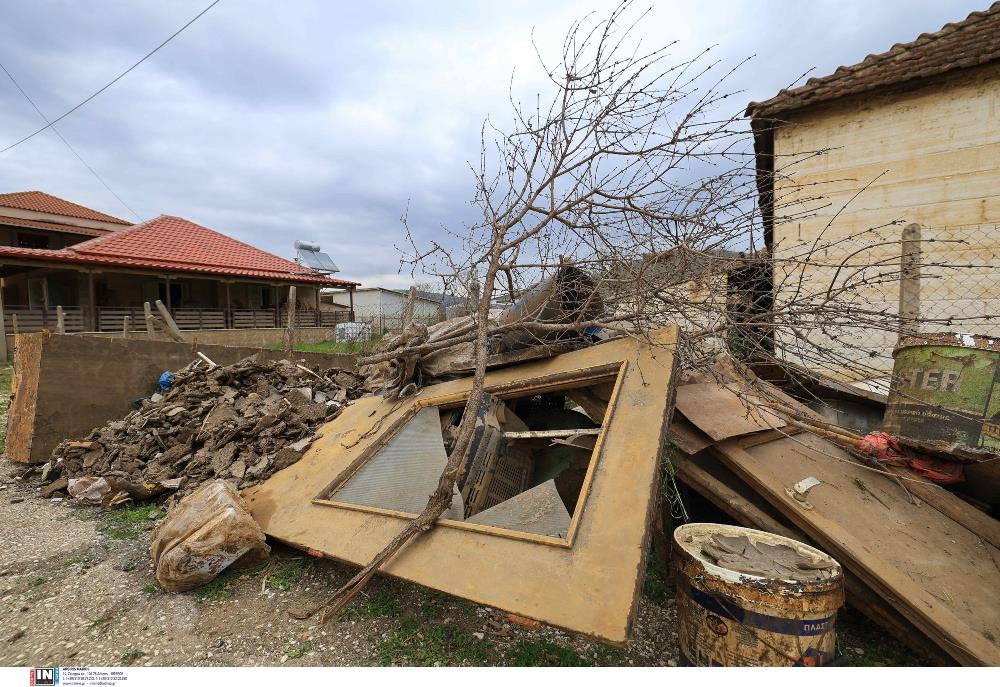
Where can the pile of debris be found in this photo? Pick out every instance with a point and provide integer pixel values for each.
(239, 422)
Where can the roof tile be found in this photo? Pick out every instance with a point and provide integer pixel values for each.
(37, 201)
(177, 244)
(972, 42)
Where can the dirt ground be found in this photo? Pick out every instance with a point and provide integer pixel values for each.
(77, 588)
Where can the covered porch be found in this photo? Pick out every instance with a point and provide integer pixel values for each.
(111, 300)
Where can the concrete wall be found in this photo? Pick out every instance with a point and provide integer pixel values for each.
(931, 156)
(66, 385)
(224, 337)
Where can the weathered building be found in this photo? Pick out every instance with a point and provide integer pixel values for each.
(911, 135)
(97, 270)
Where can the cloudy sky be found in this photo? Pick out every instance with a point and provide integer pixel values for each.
(319, 120)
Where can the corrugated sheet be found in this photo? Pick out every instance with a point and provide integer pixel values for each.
(405, 472)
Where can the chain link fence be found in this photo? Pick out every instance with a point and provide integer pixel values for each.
(913, 278)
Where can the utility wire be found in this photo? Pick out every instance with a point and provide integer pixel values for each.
(113, 81)
(63, 139)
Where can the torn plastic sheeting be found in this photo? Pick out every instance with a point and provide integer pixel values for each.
(205, 533)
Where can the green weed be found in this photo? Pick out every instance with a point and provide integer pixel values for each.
(542, 652)
(381, 602)
(416, 643)
(282, 575)
(130, 521)
(299, 650)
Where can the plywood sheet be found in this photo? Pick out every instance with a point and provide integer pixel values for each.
(687, 437)
(939, 575)
(587, 583)
(721, 414)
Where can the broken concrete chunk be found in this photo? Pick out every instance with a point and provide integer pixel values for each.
(538, 510)
(285, 457)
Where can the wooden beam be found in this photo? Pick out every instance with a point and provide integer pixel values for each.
(171, 327)
(150, 327)
(60, 320)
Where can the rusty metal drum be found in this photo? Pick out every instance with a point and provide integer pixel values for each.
(776, 607)
(945, 394)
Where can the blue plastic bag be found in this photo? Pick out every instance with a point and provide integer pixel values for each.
(166, 381)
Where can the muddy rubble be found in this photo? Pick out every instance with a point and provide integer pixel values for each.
(239, 422)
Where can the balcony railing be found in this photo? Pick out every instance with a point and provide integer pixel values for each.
(112, 318)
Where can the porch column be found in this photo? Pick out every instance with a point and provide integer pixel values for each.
(170, 306)
(92, 291)
(3, 329)
(350, 294)
(229, 309)
(319, 315)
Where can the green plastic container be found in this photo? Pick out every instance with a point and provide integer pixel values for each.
(945, 392)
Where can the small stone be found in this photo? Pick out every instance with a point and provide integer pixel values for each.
(478, 635)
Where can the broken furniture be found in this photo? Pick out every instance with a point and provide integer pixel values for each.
(586, 581)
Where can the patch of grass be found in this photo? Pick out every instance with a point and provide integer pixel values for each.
(130, 657)
(609, 655)
(219, 588)
(299, 650)
(150, 588)
(655, 587)
(542, 652)
(130, 521)
(5, 374)
(284, 574)
(348, 347)
(416, 643)
(70, 562)
(856, 631)
(38, 581)
(380, 602)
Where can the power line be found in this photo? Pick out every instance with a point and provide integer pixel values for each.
(113, 81)
(63, 139)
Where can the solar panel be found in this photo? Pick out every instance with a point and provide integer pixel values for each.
(310, 255)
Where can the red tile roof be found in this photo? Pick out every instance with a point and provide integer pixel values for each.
(52, 226)
(972, 42)
(178, 245)
(37, 201)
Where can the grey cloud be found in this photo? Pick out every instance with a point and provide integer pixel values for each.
(276, 121)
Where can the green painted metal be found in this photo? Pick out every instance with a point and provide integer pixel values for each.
(946, 389)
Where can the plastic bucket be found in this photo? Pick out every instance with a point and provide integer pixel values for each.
(729, 618)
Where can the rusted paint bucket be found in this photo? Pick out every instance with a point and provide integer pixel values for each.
(945, 392)
(729, 618)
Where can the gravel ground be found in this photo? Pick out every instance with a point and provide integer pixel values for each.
(77, 587)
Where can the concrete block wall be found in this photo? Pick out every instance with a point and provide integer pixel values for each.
(66, 385)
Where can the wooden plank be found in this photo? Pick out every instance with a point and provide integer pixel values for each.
(722, 414)
(936, 573)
